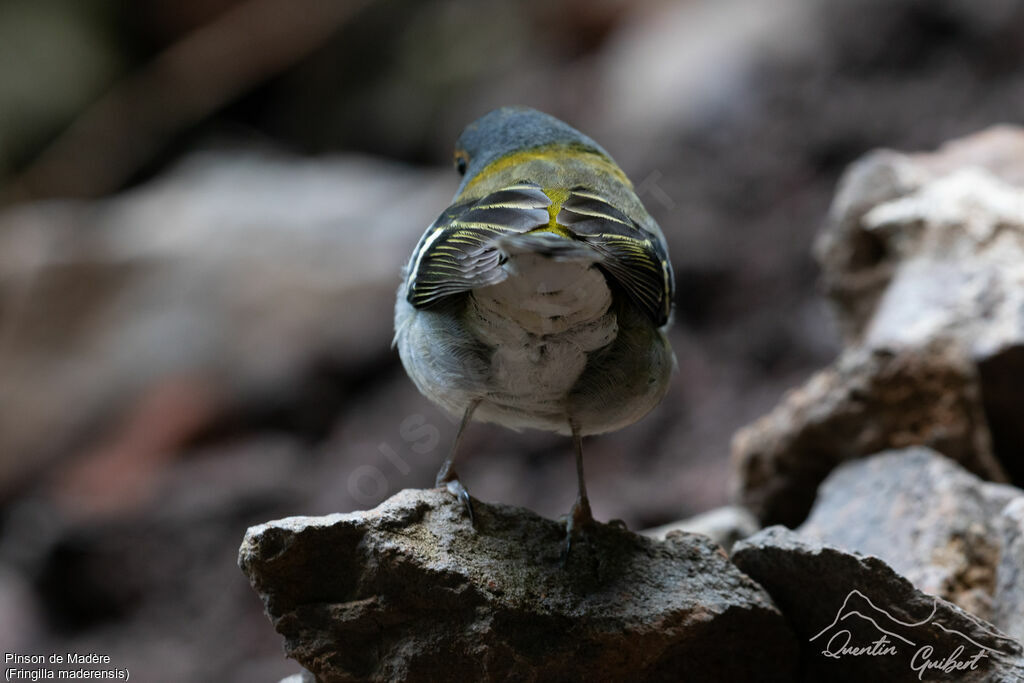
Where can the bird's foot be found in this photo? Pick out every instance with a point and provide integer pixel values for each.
(449, 480)
(580, 518)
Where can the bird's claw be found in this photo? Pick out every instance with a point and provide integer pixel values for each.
(579, 518)
(456, 488)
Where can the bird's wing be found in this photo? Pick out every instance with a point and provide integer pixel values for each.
(634, 257)
(465, 246)
(460, 251)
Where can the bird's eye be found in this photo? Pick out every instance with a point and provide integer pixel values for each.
(461, 162)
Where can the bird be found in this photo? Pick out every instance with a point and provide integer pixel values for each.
(541, 296)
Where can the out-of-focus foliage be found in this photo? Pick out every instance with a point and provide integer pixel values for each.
(56, 56)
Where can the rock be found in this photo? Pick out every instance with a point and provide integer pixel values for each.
(724, 526)
(672, 66)
(410, 591)
(929, 246)
(237, 273)
(934, 523)
(301, 677)
(869, 400)
(834, 599)
(1008, 603)
(84, 581)
(21, 628)
(892, 208)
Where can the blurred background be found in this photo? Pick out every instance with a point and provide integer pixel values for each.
(205, 204)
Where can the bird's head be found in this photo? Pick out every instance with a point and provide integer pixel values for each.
(504, 135)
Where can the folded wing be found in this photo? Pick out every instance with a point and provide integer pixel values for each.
(636, 258)
(459, 252)
(465, 247)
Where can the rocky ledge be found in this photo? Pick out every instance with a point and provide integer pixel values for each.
(411, 591)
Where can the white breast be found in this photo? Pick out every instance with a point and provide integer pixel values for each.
(542, 321)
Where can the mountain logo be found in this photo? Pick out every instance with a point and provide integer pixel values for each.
(863, 629)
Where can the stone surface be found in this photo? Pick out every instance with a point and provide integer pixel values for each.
(410, 591)
(934, 523)
(929, 246)
(835, 600)
(724, 526)
(1008, 603)
(920, 221)
(301, 677)
(869, 400)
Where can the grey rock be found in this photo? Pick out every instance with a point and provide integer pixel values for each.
(934, 523)
(301, 677)
(23, 621)
(1009, 593)
(854, 271)
(892, 208)
(868, 401)
(724, 526)
(707, 54)
(240, 271)
(929, 246)
(835, 599)
(410, 591)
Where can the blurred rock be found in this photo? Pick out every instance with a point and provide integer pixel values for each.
(934, 523)
(242, 274)
(949, 213)
(724, 526)
(672, 66)
(920, 247)
(900, 633)
(146, 586)
(22, 626)
(870, 400)
(1008, 603)
(410, 591)
(301, 677)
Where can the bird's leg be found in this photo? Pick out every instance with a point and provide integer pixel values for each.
(446, 476)
(580, 516)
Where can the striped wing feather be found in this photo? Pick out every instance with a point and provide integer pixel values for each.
(459, 252)
(636, 258)
(464, 248)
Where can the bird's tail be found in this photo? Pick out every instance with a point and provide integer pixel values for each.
(547, 244)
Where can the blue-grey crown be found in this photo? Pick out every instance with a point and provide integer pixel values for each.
(512, 129)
